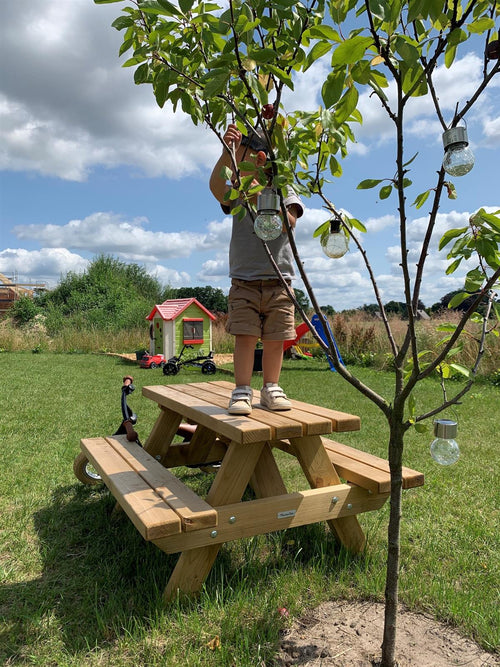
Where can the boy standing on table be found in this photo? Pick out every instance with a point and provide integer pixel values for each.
(258, 304)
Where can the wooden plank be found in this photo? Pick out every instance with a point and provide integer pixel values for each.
(192, 510)
(193, 566)
(411, 478)
(341, 421)
(149, 513)
(237, 428)
(179, 454)
(320, 472)
(311, 423)
(239, 520)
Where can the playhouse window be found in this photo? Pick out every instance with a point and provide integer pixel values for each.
(193, 330)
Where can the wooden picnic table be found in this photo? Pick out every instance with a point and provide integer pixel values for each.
(240, 450)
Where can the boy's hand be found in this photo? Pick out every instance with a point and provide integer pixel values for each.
(232, 137)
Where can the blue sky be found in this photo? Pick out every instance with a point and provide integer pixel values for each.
(89, 165)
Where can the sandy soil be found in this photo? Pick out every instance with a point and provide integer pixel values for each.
(349, 634)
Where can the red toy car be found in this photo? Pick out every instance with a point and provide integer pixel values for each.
(156, 361)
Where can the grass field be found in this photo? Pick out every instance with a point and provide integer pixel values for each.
(78, 589)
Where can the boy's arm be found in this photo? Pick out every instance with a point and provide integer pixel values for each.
(218, 184)
(293, 212)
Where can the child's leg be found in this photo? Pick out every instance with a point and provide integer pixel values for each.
(272, 358)
(244, 348)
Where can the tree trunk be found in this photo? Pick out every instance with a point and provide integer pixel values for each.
(393, 534)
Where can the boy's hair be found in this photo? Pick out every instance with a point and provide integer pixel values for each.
(256, 141)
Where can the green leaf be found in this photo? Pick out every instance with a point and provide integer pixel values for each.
(354, 222)
(421, 427)
(215, 85)
(122, 22)
(481, 25)
(141, 74)
(105, 2)
(333, 87)
(186, 5)
(346, 105)
(323, 31)
(317, 51)
(322, 229)
(421, 199)
(450, 235)
(446, 327)
(457, 299)
(369, 183)
(461, 369)
(453, 266)
(385, 191)
(352, 50)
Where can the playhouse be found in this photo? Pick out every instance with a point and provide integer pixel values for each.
(179, 322)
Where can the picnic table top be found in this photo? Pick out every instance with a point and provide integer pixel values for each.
(205, 403)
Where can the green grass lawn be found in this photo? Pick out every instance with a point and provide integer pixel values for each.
(79, 589)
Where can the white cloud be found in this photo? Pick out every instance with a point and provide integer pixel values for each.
(109, 233)
(45, 265)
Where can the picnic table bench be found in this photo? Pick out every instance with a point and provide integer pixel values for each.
(240, 449)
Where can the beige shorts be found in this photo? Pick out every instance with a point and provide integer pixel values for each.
(260, 308)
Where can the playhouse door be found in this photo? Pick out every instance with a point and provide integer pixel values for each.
(158, 336)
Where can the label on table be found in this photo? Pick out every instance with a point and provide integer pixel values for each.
(287, 514)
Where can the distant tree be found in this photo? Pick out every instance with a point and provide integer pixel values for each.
(329, 311)
(463, 306)
(213, 298)
(302, 299)
(371, 309)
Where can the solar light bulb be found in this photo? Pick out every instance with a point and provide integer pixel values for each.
(268, 224)
(444, 448)
(334, 242)
(458, 158)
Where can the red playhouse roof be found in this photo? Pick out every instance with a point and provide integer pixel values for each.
(169, 310)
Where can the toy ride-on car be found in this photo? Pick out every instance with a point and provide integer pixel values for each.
(152, 361)
(205, 362)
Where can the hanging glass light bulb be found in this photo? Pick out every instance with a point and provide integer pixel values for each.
(458, 158)
(444, 448)
(334, 242)
(268, 224)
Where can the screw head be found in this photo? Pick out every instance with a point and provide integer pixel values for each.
(232, 519)
(213, 533)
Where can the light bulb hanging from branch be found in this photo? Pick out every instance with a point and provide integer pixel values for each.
(458, 158)
(334, 241)
(268, 224)
(444, 448)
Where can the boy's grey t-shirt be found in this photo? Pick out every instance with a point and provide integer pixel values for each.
(248, 259)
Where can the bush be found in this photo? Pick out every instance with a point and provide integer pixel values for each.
(23, 310)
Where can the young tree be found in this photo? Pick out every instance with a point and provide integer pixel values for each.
(234, 62)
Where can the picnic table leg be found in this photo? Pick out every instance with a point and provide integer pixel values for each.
(266, 479)
(163, 433)
(229, 484)
(320, 472)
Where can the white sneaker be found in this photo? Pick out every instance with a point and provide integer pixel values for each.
(241, 401)
(273, 397)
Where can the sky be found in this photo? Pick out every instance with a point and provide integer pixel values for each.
(90, 165)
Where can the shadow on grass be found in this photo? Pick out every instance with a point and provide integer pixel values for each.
(96, 572)
(100, 577)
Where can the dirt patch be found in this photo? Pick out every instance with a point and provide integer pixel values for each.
(349, 634)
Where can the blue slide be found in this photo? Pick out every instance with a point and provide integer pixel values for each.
(320, 329)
